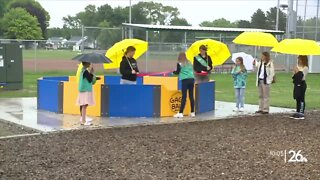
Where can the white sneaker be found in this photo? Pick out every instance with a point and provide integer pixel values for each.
(88, 119)
(236, 109)
(87, 123)
(178, 115)
(193, 115)
(241, 109)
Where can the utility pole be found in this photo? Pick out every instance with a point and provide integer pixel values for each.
(82, 39)
(277, 18)
(130, 30)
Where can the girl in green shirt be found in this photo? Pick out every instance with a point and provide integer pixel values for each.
(186, 75)
(85, 97)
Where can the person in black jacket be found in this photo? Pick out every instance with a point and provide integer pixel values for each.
(300, 86)
(202, 65)
(129, 67)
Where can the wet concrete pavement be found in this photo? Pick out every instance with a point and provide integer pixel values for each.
(23, 111)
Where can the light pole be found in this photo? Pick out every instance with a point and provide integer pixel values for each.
(130, 31)
(277, 18)
(285, 7)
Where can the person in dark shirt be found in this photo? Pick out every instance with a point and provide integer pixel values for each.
(202, 65)
(129, 67)
(300, 87)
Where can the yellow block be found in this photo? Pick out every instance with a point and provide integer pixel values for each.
(70, 95)
(171, 101)
(72, 78)
(171, 83)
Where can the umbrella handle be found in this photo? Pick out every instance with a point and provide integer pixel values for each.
(129, 63)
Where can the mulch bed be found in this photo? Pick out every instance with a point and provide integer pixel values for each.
(241, 148)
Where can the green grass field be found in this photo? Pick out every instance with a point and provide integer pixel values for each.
(281, 92)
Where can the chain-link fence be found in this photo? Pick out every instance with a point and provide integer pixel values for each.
(56, 53)
(307, 19)
(40, 55)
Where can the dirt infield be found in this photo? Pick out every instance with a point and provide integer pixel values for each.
(69, 65)
(50, 65)
(241, 148)
(151, 66)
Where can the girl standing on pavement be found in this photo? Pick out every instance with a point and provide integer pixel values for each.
(86, 97)
(265, 77)
(239, 74)
(300, 86)
(186, 75)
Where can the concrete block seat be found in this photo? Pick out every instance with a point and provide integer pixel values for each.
(153, 96)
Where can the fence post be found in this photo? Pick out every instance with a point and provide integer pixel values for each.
(35, 56)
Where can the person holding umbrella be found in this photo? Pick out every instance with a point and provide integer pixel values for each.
(186, 75)
(265, 77)
(202, 65)
(239, 74)
(85, 96)
(129, 67)
(300, 86)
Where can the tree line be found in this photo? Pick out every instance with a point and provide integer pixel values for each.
(27, 19)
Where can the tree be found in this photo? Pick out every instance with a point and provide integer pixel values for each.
(71, 22)
(156, 13)
(222, 22)
(175, 36)
(19, 24)
(89, 17)
(35, 9)
(272, 17)
(259, 20)
(108, 37)
(3, 7)
(243, 24)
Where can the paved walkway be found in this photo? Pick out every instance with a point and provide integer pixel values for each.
(23, 111)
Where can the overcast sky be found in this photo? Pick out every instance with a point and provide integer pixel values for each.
(195, 11)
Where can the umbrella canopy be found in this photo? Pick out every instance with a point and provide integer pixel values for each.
(217, 50)
(94, 57)
(256, 39)
(116, 52)
(297, 47)
(247, 59)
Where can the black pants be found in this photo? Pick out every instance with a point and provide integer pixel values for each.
(187, 85)
(300, 98)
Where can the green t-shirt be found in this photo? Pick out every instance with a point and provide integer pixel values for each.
(84, 84)
(186, 71)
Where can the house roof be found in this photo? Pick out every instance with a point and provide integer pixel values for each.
(55, 38)
(149, 27)
(75, 39)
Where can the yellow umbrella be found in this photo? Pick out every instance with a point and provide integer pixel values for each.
(297, 47)
(256, 39)
(116, 52)
(217, 50)
(80, 66)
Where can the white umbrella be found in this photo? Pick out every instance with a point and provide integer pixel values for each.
(247, 59)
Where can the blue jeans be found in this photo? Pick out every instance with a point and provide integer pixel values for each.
(239, 97)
